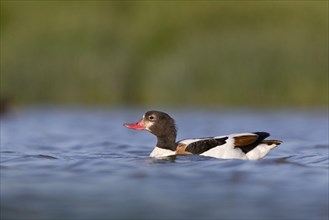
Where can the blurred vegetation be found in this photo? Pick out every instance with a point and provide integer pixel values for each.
(213, 53)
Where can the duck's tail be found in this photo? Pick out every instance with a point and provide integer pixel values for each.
(262, 149)
(271, 142)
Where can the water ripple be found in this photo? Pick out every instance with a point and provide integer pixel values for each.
(83, 165)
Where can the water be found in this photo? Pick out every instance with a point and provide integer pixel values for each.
(83, 164)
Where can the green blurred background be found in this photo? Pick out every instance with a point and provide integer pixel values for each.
(167, 53)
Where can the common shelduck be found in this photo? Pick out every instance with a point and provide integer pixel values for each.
(247, 146)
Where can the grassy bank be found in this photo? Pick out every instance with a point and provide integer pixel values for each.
(214, 53)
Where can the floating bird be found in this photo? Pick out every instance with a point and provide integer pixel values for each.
(247, 146)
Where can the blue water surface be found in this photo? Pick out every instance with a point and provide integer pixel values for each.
(80, 163)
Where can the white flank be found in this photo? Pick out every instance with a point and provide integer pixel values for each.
(227, 150)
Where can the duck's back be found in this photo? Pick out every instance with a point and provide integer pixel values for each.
(250, 146)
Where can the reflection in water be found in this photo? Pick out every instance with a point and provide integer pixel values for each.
(171, 159)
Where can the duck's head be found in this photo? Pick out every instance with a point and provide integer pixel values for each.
(158, 123)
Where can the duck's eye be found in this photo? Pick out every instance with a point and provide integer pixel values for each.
(151, 117)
